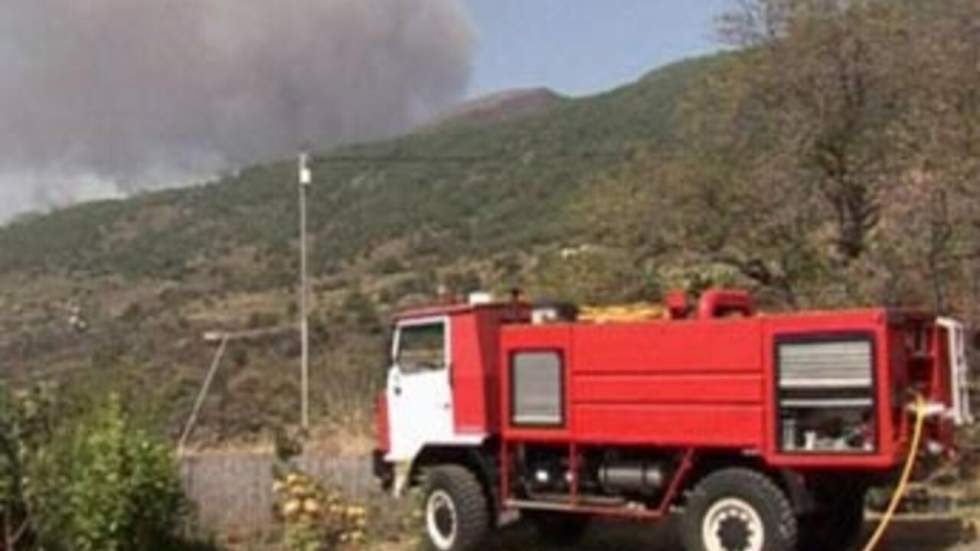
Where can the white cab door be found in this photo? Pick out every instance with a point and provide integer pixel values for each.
(420, 405)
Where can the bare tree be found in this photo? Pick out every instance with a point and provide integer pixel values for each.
(834, 156)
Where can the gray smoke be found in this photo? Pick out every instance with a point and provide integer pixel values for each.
(103, 97)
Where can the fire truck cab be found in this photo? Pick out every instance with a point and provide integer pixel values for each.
(765, 430)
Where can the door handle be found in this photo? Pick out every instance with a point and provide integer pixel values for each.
(395, 382)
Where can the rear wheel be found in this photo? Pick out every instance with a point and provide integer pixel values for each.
(456, 515)
(738, 509)
(560, 528)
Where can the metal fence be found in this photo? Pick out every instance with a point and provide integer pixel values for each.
(232, 491)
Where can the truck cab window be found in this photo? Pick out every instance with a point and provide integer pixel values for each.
(422, 347)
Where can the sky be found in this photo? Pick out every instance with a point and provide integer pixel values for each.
(580, 47)
(125, 96)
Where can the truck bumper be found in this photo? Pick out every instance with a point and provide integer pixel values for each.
(383, 470)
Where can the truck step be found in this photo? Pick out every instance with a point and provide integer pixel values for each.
(605, 506)
(589, 500)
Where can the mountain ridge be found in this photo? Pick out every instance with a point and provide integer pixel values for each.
(496, 107)
(586, 134)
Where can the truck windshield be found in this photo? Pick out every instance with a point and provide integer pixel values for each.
(422, 347)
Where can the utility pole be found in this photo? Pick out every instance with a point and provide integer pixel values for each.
(305, 180)
(224, 339)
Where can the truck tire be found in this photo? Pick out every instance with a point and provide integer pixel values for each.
(738, 509)
(559, 528)
(837, 524)
(456, 515)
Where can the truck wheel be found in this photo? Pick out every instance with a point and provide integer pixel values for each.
(738, 509)
(837, 524)
(560, 528)
(456, 514)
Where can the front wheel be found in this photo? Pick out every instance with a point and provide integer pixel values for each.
(738, 509)
(456, 513)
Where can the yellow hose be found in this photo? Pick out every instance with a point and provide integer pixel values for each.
(920, 421)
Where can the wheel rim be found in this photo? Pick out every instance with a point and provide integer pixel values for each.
(441, 520)
(732, 524)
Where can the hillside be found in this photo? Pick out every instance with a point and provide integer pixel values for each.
(126, 287)
(813, 183)
(509, 175)
(501, 107)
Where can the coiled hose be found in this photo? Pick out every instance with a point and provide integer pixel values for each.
(920, 421)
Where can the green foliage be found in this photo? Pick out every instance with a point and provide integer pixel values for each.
(390, 265)
(27, 423)
(592, 275)
(107, 485)
(463, 282)
(359, 308)
(94, 483)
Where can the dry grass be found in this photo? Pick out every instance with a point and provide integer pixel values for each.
(341, 443)
(332, 441)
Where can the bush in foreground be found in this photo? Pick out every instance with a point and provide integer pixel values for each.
(88, 482)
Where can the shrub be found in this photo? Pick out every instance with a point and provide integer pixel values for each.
(106, 485)
(26, 424)
(390, 265)
(362, 311)
(316, 518)
(70, 480)
(463, 283)
(313, 516)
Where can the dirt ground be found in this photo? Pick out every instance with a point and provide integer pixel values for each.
(905, 535)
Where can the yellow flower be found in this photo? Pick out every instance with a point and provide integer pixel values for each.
(311, 506)
(291, 507)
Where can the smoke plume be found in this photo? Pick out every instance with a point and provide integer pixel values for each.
(103, 97)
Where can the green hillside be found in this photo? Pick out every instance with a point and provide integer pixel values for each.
(832, 162)
(475, 190)
(458, 205)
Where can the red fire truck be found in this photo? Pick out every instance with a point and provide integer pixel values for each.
(765, 431)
